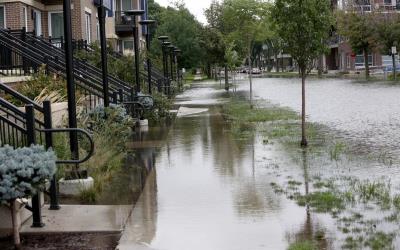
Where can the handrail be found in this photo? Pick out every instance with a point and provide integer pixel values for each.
(11, 107)
(89, 136)
(21, 97)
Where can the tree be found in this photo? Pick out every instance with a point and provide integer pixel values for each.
(388, 27)
(22, 172)
(213, 44)
(184, 31)
(360, 30)
(244, 23)
(303, 26)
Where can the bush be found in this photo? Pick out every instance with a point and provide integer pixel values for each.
(41, 84)
(23, 170)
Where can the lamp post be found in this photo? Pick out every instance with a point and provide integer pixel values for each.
(171, 55)
(168, 81)
(163, 39)
(133, 14)
(147, 23)
(176, 53)
(102, 26)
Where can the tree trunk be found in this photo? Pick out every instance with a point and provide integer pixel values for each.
(320, 66)
(394, 67)
(226, 78)
(276, 63)
(250, 79)
(366, 61)
(215, 73)
(303, 108)
(14, 213)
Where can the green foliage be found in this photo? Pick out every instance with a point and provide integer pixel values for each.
(23, 170)
(120, 68)
(322, 201)
(184, 32)
(111, 128)
(42, 84)
(304, 26)
(160, 110)
(361, 32)
(304, 245)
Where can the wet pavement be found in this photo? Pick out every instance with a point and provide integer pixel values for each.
(210, 191)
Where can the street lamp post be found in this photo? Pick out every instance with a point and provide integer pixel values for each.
(147, 23)
(167, 78)
(163, 39)
(171, 54)
(133, 14)
(102, 26)
(176, 53)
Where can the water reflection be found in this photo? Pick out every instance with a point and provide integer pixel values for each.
(213, 192)
(311, 230)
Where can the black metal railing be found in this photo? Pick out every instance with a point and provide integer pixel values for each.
(33, 125)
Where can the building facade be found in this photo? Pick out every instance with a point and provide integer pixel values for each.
(45, 18)
(340, 56)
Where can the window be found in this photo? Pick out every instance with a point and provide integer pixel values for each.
(126, 5)
(25, 17)
(37, 22)
(2, 17)
(98, 30)
(127, 46)
(88, 27)
(360, 61)
(56, 24)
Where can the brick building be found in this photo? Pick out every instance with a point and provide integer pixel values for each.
(341, 57)
(45, 17)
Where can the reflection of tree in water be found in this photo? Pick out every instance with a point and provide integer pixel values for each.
(310, 230)
(126, 183)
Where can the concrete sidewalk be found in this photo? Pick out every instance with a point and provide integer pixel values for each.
(80, 218)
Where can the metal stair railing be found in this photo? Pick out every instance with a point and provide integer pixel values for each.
(19, 128)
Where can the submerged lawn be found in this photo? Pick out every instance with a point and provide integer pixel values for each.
(366, 210)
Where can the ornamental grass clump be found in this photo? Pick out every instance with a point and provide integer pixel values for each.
(22, 172)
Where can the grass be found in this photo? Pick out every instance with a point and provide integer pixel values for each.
(304, 245)
(322, 201)
(380, 241)
(337, 150)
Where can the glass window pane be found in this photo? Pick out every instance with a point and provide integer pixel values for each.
(2, 17)
(57, 25)
(126, 4)
(128, 45)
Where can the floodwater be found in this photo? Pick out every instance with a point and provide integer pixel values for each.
(211, 191)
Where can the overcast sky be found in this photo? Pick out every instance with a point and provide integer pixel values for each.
(195, 6)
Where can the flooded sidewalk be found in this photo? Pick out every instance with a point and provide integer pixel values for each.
(210, 191)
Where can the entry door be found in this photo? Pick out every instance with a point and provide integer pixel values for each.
(37, 15)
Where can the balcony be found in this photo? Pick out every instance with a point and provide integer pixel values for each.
(123, 23)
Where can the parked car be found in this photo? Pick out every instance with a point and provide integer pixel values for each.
(256, 71)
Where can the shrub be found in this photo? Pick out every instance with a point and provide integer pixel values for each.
(22, 172)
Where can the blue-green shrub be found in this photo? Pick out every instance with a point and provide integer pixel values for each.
(23, 170)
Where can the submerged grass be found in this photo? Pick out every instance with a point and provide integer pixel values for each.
(337, 195)
(304, 245)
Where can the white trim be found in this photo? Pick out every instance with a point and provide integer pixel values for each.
(40, 29)
(5, 17)
(88, 26)
(88, 10)
(25, 12)
(49, 20)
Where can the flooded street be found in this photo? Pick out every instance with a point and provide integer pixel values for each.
(212, 191)
(367, 113)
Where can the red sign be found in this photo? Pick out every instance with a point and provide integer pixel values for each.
(353, 55)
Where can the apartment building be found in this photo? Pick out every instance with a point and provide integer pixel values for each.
(45, 18)
(340, 56)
